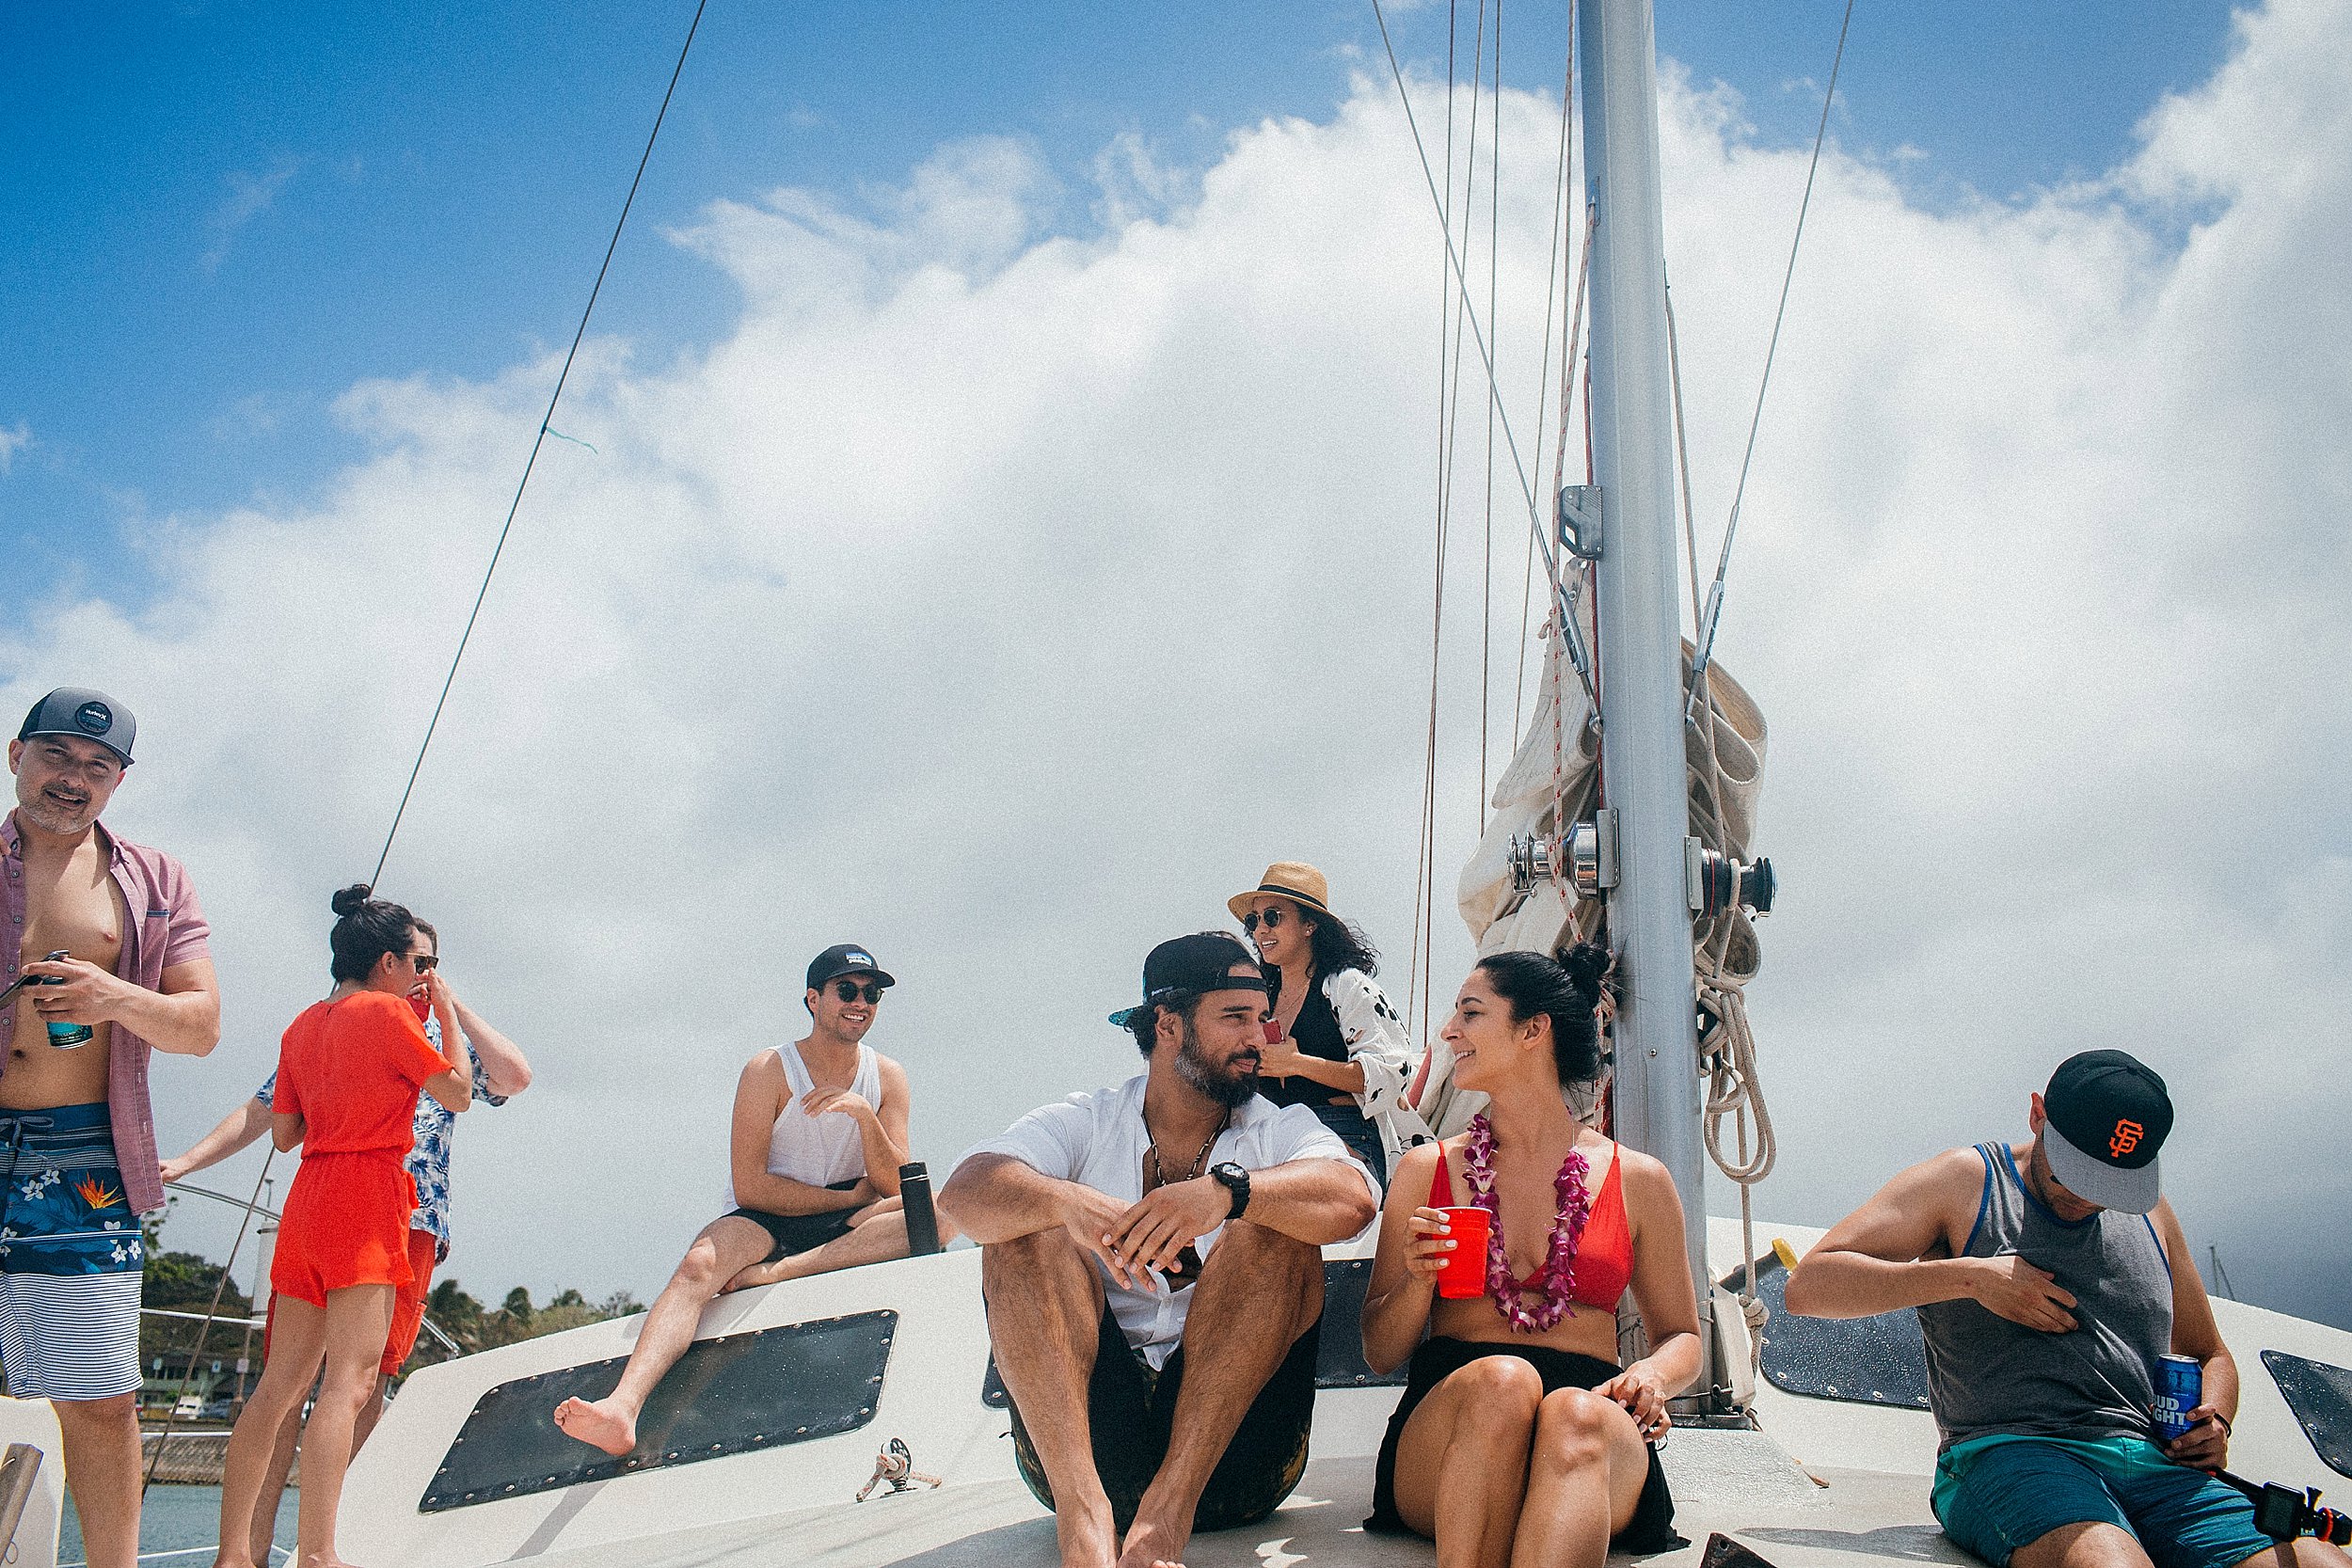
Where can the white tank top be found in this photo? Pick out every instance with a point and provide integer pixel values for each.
(819, 1150)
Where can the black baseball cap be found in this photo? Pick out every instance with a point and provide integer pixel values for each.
(1201, 962)
(845, 959)
(2107, 1115)
(92, 715)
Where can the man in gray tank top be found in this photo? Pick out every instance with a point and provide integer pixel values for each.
(2049, 1277)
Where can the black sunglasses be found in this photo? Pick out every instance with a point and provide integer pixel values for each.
(1270, 917)
(850, 991)
(424, 961)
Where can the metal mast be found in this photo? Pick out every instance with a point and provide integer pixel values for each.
(1658, 1095)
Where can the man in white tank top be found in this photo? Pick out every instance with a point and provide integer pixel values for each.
(819, 1132)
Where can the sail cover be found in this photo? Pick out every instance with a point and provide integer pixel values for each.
(1554, 778)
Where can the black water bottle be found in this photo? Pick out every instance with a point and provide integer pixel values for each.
(914, 1196)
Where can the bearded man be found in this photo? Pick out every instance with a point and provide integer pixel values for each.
(1150, 1256)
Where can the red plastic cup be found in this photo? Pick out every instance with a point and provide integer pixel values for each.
(1273, 1031)
(1464, 1277)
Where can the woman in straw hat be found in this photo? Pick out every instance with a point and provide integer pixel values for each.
(1341, 1050)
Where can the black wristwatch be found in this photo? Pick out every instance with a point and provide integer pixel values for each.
(1235, 1181)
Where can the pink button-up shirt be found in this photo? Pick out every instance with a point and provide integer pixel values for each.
(166, 927)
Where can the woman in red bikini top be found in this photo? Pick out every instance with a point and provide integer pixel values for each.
(1519, 1435)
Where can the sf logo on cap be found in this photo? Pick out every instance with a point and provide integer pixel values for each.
(2126, 1138)
(96, 718)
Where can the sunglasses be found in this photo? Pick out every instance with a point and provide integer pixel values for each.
(850, 991)
(424, 961)
(1270, 917)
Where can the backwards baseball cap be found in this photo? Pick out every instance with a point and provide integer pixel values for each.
(845, 959)
(91, 715)
(2107, 1115)
(1199, 963)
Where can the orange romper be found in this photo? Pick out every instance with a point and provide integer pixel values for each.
(353, 1069)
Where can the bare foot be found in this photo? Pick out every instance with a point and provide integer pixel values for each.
(600, 1425)
(1087, 1536)
(1150, 1543)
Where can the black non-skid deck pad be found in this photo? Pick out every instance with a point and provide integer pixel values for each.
(2321, 1396)
(729, 1395)
(1723, 1552)
(1880, 1359)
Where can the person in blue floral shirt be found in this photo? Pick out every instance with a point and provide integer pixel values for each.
(500, 1071)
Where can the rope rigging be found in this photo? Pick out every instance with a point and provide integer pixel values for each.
(475, 614)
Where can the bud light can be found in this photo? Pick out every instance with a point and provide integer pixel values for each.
(2180, 1389)
(65, 1036)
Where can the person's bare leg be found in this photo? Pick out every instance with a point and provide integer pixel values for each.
(2304, 1553)
(373, 1411)
(358, 1320)
(1234, 1337)
(1461, 1460)
(297, 1342)
(877, 1234)
(1583, 1478)
(282, 1458)
(724, 1248)
(2083, 1545)
(1044, 1340)
(102, 1467)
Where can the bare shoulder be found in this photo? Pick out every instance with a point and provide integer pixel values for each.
(1414, 1170)
(765, 1066)
(894, 1077)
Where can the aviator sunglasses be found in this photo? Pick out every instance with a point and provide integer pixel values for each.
(423, 962)
(850, 991)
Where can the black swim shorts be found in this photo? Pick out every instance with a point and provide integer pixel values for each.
(798, 1234)
(1130, 1408)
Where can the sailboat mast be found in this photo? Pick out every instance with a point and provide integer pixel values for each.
(1657, 1098)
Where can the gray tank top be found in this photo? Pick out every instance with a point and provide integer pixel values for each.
(1988, 1375)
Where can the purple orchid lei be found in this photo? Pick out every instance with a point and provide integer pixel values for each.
(1550, 1289)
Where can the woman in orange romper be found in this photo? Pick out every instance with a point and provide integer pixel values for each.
(349, 1070)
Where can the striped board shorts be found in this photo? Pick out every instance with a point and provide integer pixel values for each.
(71, 1258)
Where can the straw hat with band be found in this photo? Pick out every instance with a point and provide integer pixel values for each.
(1295, 881)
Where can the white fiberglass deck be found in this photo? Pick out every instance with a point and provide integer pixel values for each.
(1824, 1484)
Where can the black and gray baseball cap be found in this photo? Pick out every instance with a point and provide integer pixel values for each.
(91, 715)
(847, 958)
(1201, 963)
(2107, 1115)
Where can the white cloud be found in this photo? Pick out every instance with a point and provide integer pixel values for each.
(249, 196)
(13, 439)
(1003, 599)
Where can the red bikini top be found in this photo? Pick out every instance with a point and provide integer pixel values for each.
(1604, 1260)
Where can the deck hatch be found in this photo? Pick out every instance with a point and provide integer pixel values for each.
(2321, 1396)
(735, 1394)
(1880, 1359)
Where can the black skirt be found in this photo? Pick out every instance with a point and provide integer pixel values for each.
(1652, 1526)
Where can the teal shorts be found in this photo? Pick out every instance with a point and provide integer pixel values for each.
(1995, 1494)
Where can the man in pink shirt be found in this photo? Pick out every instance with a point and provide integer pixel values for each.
(77, 1135)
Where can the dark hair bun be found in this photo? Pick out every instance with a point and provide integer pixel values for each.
(1587, 964)
(351, 900)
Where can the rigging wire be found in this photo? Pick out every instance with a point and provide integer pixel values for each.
(1712, 615)
(1554, 278)
(1534, 516)
(537, 441)
(1494, 399)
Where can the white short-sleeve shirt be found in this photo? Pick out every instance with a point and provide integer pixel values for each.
(1097, 1140)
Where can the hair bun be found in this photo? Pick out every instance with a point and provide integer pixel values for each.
(1587, 965)
(351, 900)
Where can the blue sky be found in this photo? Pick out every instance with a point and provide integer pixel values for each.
(219, 215)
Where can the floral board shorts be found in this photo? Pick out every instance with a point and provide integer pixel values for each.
(71, 1258)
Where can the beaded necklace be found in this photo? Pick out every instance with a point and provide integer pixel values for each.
(1549, 1293)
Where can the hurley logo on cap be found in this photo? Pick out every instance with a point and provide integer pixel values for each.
(96, 718)
(853, 955)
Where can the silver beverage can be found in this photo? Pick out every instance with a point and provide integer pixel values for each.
(2180, 1389)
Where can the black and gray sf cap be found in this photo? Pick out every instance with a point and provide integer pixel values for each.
(2108, 1114)
(91, 715)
